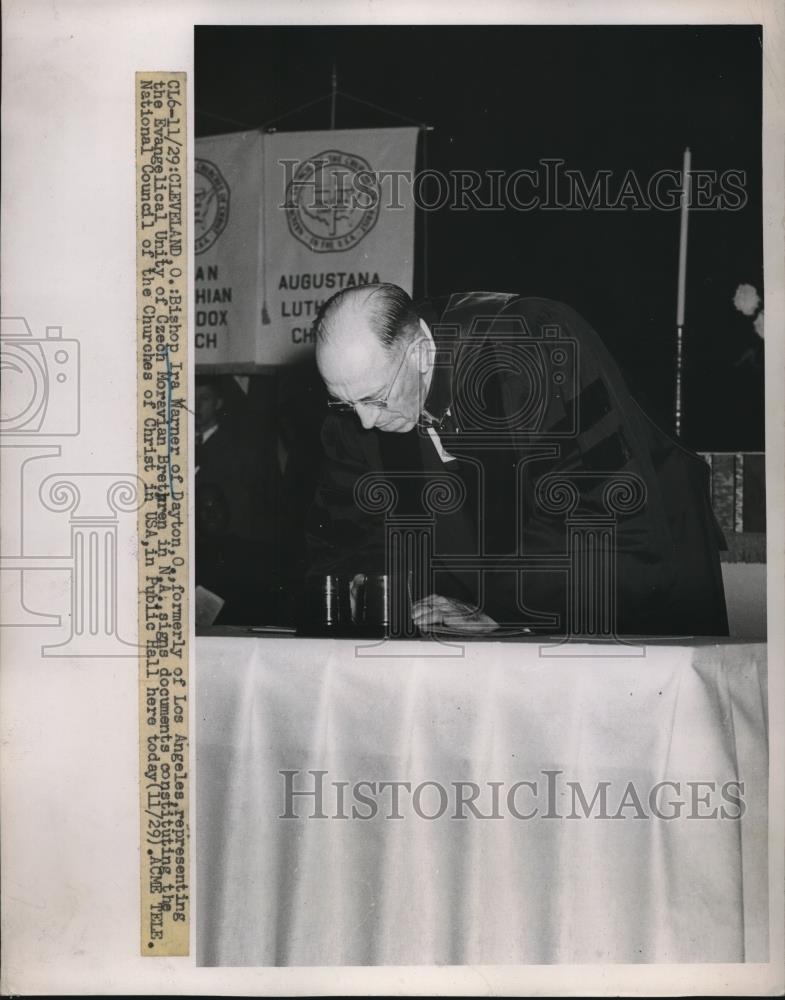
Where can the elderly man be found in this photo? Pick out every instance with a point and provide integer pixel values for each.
(518, 404)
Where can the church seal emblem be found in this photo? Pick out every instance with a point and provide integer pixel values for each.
(332, 201)
(211, 198)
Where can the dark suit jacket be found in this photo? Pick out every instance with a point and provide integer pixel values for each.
(554, 461)
(228, 463)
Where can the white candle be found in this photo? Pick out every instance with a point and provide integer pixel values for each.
(685, 195)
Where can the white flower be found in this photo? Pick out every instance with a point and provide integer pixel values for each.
(758, 324)
(746, 299)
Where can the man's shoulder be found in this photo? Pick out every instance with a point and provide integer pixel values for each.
(471, 311)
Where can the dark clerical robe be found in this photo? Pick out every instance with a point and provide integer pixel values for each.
(536, 487)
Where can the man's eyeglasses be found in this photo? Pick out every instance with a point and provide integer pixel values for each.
(380, 402)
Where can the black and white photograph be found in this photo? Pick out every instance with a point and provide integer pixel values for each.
(480, 566)
(392, 475)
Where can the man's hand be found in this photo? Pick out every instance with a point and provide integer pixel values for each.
(434, 612)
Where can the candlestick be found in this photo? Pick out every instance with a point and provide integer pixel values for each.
(677, 404)
(682, 289)
(685, 193)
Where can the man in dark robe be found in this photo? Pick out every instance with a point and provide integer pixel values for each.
(500, 434)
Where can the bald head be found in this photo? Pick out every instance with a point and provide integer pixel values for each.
(384, 310)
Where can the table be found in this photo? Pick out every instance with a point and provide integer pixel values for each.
(556, 887)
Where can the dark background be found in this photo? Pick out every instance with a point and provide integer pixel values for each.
(504, 97)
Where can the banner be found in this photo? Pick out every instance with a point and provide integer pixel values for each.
(227, 214)
(285, 220)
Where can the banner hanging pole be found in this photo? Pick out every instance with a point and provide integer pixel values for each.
(333, 95)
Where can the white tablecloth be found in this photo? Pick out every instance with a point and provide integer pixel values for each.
(311, 891)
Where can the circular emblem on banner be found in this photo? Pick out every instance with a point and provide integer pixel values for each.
(211, 198)
(332, 201)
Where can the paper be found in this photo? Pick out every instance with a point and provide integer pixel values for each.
(71, 490)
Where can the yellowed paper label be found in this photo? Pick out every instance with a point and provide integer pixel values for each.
(161, 290)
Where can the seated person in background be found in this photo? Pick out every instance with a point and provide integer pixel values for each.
(299, 417)
(236, 497)
(520, 403)
(224, 458)
(234, 571)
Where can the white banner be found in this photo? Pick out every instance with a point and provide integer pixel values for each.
(227, 214)
(285, 220)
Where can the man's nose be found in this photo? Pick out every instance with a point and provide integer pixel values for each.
(367, 415)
